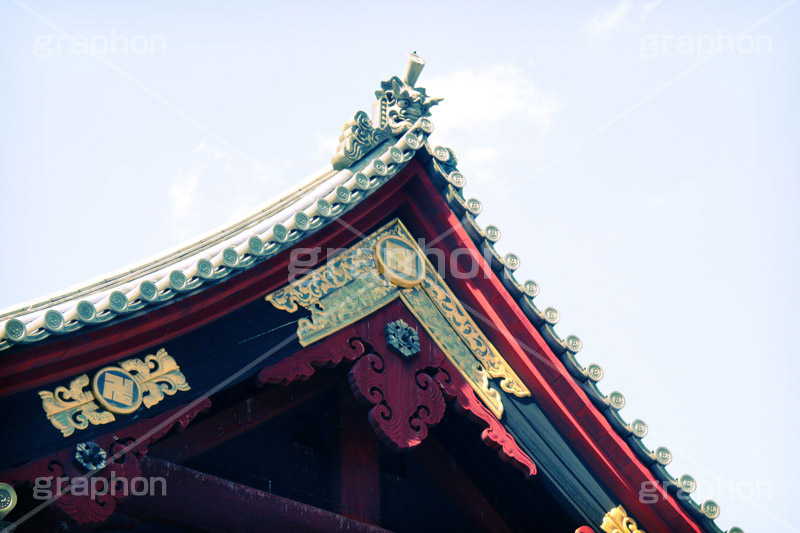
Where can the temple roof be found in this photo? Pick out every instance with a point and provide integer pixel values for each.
(279, 224)
(370, 153)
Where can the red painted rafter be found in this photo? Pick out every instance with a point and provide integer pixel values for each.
(532, 359)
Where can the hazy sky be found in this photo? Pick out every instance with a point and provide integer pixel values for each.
(642, 159)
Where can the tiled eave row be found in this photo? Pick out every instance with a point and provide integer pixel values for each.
(278, 226)
(441, 166)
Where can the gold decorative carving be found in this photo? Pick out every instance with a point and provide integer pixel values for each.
(438, 327)
(157, 375)
(116, 390)
(381, 268)
(618, 521)
(120, 389)
(470, 333)
(73, 408)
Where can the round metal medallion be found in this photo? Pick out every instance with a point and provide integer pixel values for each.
(399, 261)
(8, 499)
(116, 390)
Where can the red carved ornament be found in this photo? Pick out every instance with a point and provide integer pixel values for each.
(407, 395)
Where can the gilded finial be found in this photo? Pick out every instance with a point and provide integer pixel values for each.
(398, 107)
(414, 68)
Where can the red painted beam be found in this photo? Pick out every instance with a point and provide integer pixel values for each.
(199, 501)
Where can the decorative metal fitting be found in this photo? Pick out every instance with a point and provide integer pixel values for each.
(511, 261)
(531, 288)
(115, 390)
(8, 500)
(574, 343)
(711, 509)
(594, 372)
(616, 400)
(492, 233)
(618, 521)
(638, 428)
(90, 455)
(402, 338)
(474, 206)
(457, 179)
(687, 483)
(662, 456)
(551, 315)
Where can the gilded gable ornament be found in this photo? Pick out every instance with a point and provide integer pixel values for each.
(389, 265)
(120, 390)
(116, 390)
(399, 261)
(618, 521)
(398, 107)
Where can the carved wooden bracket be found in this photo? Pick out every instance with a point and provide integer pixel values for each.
(407, 394)
(405, 397)
(495, 435)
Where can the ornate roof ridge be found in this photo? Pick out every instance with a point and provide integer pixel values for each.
(326, 196)
(165, 257)
(399, 105)
(400, 109)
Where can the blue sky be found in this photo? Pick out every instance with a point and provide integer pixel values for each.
(640, 157)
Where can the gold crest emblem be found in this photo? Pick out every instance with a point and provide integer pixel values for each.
(399, 261)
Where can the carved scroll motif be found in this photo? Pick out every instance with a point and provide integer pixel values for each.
(618, 521)
(124, 388)
(73, 408)
(407, 394)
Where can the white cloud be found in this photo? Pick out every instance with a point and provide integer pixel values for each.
(183, 192)
(649, 6)
(478, 98)
(606, 21)
(626, 16)
(502, 103)
(214, 186)
(223, 158)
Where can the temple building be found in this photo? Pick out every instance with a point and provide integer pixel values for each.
(355, 356)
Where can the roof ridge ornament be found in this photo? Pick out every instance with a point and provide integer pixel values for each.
(398, 106)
